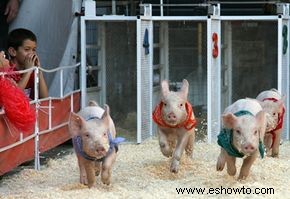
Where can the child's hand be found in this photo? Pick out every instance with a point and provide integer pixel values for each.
(3, 61)
(31, 60)
(36, 61)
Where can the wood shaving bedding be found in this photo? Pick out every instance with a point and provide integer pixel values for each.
(141, 171)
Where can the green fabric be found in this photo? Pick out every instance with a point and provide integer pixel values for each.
(261, 149)
(243, 112)
(225, 141)
(225, 138)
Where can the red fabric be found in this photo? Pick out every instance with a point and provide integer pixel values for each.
(16, 106)
(280, 120)
(188, 124)
(11, 72)
(23, 152)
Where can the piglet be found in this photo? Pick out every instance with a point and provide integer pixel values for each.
(273, 104)
(244, 125)
(93, 134)
(176, 123)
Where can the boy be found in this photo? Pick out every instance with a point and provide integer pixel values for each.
(22, 50)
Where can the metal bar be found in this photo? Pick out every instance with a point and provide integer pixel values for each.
(279, 58)
(71, 103)
(61, 83)
(242, 2)
(178, 5)
(49, 114)
(114, 7)
(83, 82)
(36, 132)
(178, 18)
(54, 128)
(209, 81)
(249, 18)
(109, 18)
(139, 47)
(151, 75)
(161, 7)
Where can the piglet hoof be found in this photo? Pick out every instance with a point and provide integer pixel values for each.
(232, 171)
(240, 178)
(220, 163)
(106, 181)
(243, 176)
(106, 177)
(275, 155)
(165, 149)
(90, 185)
(84, 180)
(174, 167)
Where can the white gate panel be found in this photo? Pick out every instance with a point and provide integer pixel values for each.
(283, 67)
(213, 76)
(144, 79)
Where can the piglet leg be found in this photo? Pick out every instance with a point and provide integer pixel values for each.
(107, 168)
(181, 143)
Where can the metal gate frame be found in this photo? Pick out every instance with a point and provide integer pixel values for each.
(213, 62)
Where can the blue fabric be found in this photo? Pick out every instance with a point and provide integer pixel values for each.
(146, 42)
(225, 138)
(78, 145)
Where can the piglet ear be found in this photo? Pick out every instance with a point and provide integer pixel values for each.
(262, 123)
(106, 114)
(229, 120)
(76, 123)
(164, 88)
(93, 103)
(281, 102)
(184, 89)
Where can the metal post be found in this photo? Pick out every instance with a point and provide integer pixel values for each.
(139, 114)
(83, 82)
(36, 132)
(213, 75)
(161, 7)
(113, 7)
(61, 83)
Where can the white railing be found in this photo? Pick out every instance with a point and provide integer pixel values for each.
(38, 108)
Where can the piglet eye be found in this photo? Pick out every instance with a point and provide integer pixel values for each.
(238, 132)
(181, 105)
(256, 132)
(104, 134)
(87, 135)
(274, 114)
(165, 104)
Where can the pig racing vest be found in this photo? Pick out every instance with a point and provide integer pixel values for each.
(226, 136)
(188, 124)
(78, 145)
(279, 123)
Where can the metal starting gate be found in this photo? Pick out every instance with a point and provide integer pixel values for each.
(152, 57)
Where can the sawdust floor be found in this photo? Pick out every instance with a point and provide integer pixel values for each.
(142, 172)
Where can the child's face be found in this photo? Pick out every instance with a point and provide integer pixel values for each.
(28, 47)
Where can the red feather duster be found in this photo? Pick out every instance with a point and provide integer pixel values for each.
(13, 100)
(16, 106)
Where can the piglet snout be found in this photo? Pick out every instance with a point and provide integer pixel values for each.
(171, 117)
(100, 150)
(249, 148)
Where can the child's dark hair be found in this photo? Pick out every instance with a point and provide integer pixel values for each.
(17, 36)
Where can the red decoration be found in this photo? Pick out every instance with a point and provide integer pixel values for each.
(16, 106)
(215, 50)
(188, 124)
